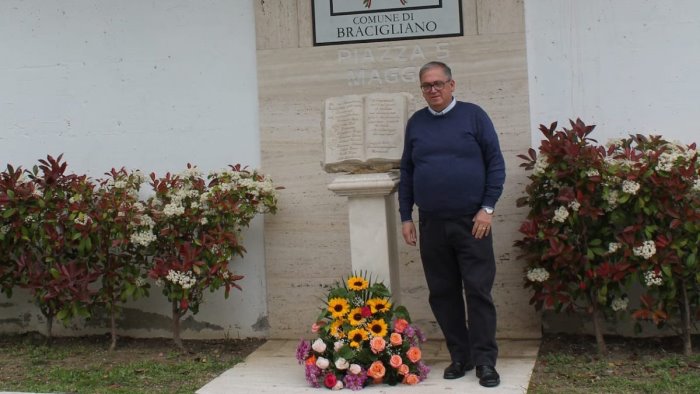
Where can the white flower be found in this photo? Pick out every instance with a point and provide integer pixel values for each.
(194, 205)
(354, 369)
(612, 198)
(120, 184)
(4, 229)
(145, 220)
(342, 364)
(75, 198)
(667, 160)
(185, 279)
(652, 278)
(338, 385)
(647, 249)
(173, 209)
(143, 238)
(614, 141)
(592, 172)
(574, 205)
(614, 247)
(159, 282)
(29, 219)
(191, 172)
(139, 282)
(121, 214)
(560, 214)
(82, 219)
(322, 362)
(540, 164)
(37, 193)
(337, 345)
(319, 346)
(203, 221)
(139, 207)
(630, 187)
(139, 177)
(537, 275)
(619, 304)
(696, 185)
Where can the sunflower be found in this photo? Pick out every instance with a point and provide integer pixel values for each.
(357, 336)
(357, 283)
(338, 307)
(355, 317)
(379, 305)
(336, 329)
(378, 328)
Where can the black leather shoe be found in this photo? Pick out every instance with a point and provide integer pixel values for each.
(456, 370)
(488, 377)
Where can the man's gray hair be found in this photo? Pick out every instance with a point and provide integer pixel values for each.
(431, 65)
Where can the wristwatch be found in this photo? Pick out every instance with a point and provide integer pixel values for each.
(488, 210)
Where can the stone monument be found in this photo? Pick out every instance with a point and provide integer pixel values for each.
(363, 138)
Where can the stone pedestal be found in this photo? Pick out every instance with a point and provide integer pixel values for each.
(372, 218)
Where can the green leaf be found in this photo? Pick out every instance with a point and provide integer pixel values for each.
(54, 273)
(595, 242)
(667, 271)
(9, 213)
(62, 315)
(692, 260)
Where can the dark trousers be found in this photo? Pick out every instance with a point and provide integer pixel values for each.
(456, 263)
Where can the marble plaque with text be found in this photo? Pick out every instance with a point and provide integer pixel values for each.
(364, 133)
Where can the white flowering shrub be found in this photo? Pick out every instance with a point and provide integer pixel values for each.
(601, 217)
(61, 233)
(198, 222)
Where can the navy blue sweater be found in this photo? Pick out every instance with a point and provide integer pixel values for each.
(452, 164)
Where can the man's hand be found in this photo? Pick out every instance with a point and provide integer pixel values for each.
(408, 229)
(482, 224)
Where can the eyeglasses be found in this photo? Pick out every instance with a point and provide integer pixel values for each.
(438, 85)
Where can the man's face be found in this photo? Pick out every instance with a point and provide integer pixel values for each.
(437, 99)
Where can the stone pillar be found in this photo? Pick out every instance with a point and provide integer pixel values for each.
(372, 218)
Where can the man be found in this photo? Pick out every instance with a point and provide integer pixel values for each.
(453, 170)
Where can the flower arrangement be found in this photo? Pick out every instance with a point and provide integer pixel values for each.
(362, 339)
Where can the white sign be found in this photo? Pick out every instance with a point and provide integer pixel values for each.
(352, 21)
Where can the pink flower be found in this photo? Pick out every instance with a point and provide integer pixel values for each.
(319, 346)
(315, 327)
(395, 361)
(366, 311)
(400, 325)
(376, 370)
(413, 354)
(403, 370)
(377, 344)
(395, 339)
(354, 369)
(411, 379)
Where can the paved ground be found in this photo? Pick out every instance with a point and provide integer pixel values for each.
(273, 369)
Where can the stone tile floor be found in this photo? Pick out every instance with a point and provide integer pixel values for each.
(273, 369)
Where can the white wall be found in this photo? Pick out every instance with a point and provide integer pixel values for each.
(139, 83)
(628, 66)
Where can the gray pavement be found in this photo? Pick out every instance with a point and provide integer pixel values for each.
(273, 368)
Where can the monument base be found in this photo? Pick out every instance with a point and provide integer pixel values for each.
(372, 219)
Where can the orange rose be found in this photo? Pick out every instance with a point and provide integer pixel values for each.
(403, 370)
(411, 378)
(395, 361)
(400, 325)
(395, 339)
(311, 360)
(376, 370)
(377, 344)
(413, 354)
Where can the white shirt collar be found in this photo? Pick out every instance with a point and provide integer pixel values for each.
(444, 111)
